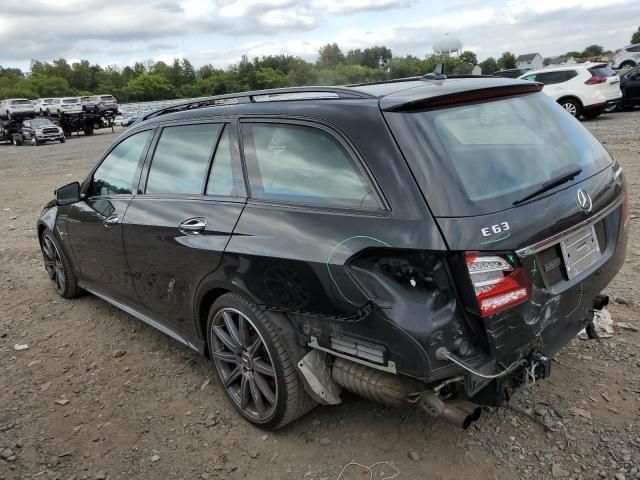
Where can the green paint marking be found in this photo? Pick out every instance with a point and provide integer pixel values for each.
(511, 260)
(534, 270)
(496, 240)
(333, 251)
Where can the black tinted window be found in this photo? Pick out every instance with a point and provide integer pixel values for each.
(181, 159)
(221, 180)
(551, 78)
(302, 164)
(115, 174)
(635, 48)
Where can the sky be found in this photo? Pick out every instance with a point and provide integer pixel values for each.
(110, 32)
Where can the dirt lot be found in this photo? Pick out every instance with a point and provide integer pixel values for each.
(157, 411)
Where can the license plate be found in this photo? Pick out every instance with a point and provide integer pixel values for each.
(580, 250)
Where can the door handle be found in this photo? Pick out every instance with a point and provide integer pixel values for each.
(193, 226)
(111, 220)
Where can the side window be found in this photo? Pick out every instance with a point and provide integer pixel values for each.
(115, 174)
(571, 74)
(181, 159)
(531, 78)
(551, 78)
(221, 179)
(635, 48)
(302, 164)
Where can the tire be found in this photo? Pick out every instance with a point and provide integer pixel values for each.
(8, 115)
(627, 65)
(593, 114)
(62, 140)
(258, 375)
(571, 106)
(16, 141)
(34, 141)
(58, 267)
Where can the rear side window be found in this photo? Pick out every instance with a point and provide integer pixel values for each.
(302, 164)
(552, 78)
(635, 48)
(115, 174)
(221, 179)
(602, 71)
(181, 159)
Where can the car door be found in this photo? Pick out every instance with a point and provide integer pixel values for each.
(312, 205)
(632, 88)
(94, 224)
(177, 227)
(555, 83)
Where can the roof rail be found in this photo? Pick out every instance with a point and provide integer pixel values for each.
(259, 96)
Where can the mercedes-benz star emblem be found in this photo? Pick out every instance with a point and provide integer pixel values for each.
(584, 201)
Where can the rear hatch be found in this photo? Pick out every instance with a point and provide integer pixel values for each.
(515, 177)
(606, 80)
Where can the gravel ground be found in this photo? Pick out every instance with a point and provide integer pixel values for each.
(100, 395)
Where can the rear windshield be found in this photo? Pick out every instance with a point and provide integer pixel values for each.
(480, 158)
(602, 71)
(20, 102)
(70, 100)
(107, 97)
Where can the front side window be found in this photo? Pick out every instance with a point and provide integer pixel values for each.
(115, 175)
(181, 159)
(301, 164)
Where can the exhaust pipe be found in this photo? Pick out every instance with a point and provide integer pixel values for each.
(394, 390)
(457, 412)
(471, 409)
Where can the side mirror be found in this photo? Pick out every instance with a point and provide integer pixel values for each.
(68, 194)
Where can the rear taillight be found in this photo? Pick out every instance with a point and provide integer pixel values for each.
(498, 285)
(595, 80)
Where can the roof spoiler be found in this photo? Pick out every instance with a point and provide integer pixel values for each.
(466, 96)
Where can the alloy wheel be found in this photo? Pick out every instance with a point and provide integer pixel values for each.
(570, 107)
(244, 364)
(53, 263)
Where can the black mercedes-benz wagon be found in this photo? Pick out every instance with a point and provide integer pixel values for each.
(429, 242)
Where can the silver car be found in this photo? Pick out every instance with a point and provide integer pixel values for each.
(12, 108)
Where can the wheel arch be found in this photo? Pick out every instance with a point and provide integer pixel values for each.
(570, 97)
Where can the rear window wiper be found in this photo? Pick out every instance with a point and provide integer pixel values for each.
(549, 184)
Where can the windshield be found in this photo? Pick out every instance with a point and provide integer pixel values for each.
(41, 122)
(480, 158)
(20, 102)
(70, 100)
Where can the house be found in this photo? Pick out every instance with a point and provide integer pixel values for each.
(562, 60)
(529, 61)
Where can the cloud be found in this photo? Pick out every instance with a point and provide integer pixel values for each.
(350, 6)
(220, 31)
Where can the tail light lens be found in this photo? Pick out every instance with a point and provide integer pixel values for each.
(498, 285)
(596, 79)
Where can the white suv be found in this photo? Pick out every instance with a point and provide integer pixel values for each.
(12, 108)
(64, 105)
(42, 104)
(627, 57)
(585, 89)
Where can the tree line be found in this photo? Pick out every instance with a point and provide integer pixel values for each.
(145, 81)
